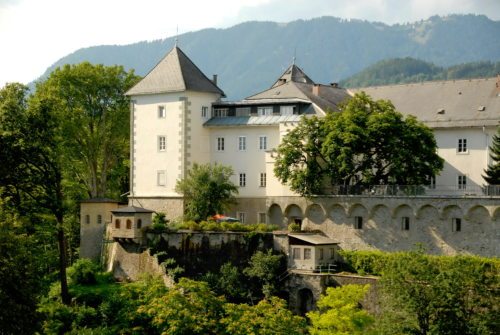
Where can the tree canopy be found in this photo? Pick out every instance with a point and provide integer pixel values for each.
(492, 174)
(368, 143)
(207, 190)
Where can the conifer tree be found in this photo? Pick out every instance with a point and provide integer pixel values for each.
(492, 173)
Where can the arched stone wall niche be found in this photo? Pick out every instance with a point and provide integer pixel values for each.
(478, 215)
(379, 210)
(496, 215)
(403, 210)
(451, 211)
(315, 214)
(427, 212)
(293, 214)
(337, 213)
(276, 215)
(357, 210)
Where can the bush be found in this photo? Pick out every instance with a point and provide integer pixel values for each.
(365, 262)
(83, 272)
(294, 227)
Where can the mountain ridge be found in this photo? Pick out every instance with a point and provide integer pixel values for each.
(249, 56)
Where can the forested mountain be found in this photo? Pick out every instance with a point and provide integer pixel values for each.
(410, 70)
(248, 57)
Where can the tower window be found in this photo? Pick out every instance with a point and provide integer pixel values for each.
(462, 145)
(117, 223)
(161, 112)
(99, 219)
(243, 179)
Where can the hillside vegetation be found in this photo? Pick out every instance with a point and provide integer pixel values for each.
(410, 70)
(250, 56)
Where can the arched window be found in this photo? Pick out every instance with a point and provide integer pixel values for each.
(99, 219)
(87, 219)
(139, 223)
(117, 223)
(129, 224)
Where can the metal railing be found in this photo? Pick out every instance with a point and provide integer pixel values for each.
(327, 268)
(414, 190)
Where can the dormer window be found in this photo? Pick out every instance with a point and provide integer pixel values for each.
(265, 111)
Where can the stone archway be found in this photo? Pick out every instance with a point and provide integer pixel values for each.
(293, 214)
(305, 300)
(276, 215)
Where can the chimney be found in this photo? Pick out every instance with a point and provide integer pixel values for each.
(335, 85)
(316, 89)
(214, 80)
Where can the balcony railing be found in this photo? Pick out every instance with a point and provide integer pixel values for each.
(415, 190)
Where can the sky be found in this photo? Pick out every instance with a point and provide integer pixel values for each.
(34, 34)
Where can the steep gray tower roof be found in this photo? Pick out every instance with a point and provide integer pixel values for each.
(295, 74)
(174, 73)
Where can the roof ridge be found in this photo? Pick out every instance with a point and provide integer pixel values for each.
(425, 82)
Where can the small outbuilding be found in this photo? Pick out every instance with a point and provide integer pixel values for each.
(128, 222)
(312, 252)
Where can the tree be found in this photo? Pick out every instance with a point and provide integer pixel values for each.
(266, 267)
(95, 122)
(33, 175)
(207, 190)
(339, 312)
(492, 174)
(368, 143)
(269, 316)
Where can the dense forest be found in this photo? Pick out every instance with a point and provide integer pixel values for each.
(248, 57)
(409, 70)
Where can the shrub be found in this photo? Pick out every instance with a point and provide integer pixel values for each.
(83, 272)
(294, 227)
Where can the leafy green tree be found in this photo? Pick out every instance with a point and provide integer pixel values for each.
(94, 115)
(207, 190)
(492, 174)
(339, 312)
(33, 173)
(266, 267)
(368, 143)
(269, 316)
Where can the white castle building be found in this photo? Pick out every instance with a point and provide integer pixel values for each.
(178, 118)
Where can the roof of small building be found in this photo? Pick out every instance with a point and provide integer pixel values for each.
(174, 73)
(295, 74)
(251, 120)
(445, 104)
(132, 209)
(315, 239)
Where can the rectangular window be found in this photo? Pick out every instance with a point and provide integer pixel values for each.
(162, 143)
(262, 142)
(321, 253)
(432, 183)
(204, 111)
(307, 253)
(462, 145)
(456, 224)
(220, 143)
(99, 219)
(243, 111)
(242, 217)
(220, 112)
(296, 253)
(405, 223)
(243, 179)
(161, 112)
(161, 178)
(264, 111)
(242, 143)
(358, 222)
(462, 182)
(332, 253)
(287, 110)
(262, 218)
(263, 179)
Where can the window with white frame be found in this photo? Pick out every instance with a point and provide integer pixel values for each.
(243, 179)
(220, 143)
(462, 182)
(332, 253)
(262, 217)
(162, 112)
(287, 110)
(456, 224)
(307, 253)
(242, 217)
(242, 143)
(243, 111)
(263, 179)
(405, 223)
(462, 145)
(204, 111)
(265, 111)
(262, 142)
(220, 112)
(161, 178)
(162, 143)
(296, 253)
(321, 255)
(99, 218)
(358, 222)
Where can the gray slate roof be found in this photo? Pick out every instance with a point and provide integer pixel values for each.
(313, 239)
(293, 73)
(251, 120)
(174, 73)
(132, 209)
(445, 104)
